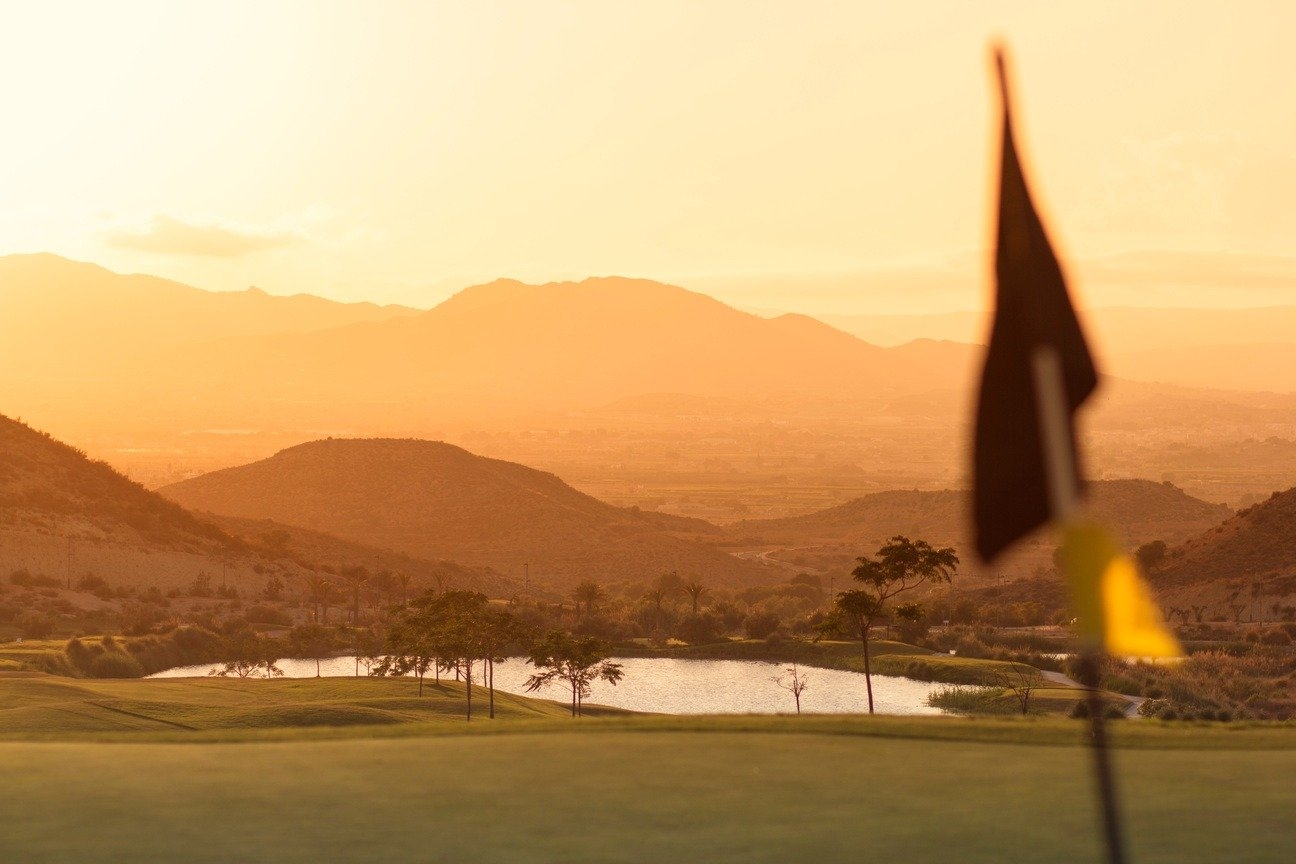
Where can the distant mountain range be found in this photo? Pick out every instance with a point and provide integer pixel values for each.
(1227, 349)
(142, 370)
(61, 318)
(506, 346)
(436, 501)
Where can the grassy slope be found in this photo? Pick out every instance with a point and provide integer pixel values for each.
(48, 706)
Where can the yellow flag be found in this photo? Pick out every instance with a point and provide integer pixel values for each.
(1113, 604)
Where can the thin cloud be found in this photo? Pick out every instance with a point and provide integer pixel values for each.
(172, 237)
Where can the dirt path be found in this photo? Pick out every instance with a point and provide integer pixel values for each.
(1131, 709)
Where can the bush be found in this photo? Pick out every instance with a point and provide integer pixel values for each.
(140, 618)
(36, 626)
(114, 664)
(78, 654)
(698, 629)
(760, 625)
(1153, 707)
(1276, 636)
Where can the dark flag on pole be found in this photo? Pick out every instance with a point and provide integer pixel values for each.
(1021, 479)
(1038, 372)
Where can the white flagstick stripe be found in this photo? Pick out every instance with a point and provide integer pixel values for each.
(1051, 408)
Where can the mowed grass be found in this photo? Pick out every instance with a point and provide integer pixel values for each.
(48, 706)
(631, 795)
(218, 770)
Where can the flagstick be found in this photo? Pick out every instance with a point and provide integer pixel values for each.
(1051, 409)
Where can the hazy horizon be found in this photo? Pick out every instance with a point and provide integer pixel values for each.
(823, 161)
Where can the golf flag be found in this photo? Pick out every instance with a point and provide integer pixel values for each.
(1038, 371)
(1034, 323)
(1113, 607)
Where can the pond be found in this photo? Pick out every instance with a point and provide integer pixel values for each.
(668, 686)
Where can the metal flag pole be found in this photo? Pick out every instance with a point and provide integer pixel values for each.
(1060, 473)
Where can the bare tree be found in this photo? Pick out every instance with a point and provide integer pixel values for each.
(1020, 680)
(791, 680)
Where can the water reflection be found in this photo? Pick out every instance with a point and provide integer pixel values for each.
(669, 686)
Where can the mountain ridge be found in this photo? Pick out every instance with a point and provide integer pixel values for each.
(435, 500)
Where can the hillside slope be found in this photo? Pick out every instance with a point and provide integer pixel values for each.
(66, 516)
(1141, 509)
(48, 486)
(436, 501)
(1256, 546)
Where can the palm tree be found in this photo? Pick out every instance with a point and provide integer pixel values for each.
(657, 596)
(316, 585)
(356, 577)
(589, 593)
(695, 591)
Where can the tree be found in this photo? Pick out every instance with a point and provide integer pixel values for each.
(589, 593)
(249, 654)
(901, 565)
(317, 586)
(368, 647)
(311, 640)
(409, 648)
(656, 597)
(1149, 555)
(499, 630)
(1018, 679)
(695, 591)
(576, 661)
(791, 680)
(355, 577)
(453, 629)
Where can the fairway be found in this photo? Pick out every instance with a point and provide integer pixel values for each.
(635, 795)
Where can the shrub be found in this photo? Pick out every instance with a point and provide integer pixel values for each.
(115, 664)
(36, 626)
(1153, 707)
(1276, 636)
(78, 654)
(760, 625)
(698, 629)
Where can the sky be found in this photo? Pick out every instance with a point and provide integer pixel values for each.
(818, 157)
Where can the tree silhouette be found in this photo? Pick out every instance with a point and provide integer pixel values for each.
(589, 593)
(695, 591)
(576, 661)
(901, 565)
(794, 682)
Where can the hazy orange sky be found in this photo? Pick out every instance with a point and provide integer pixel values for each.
(822, 157)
